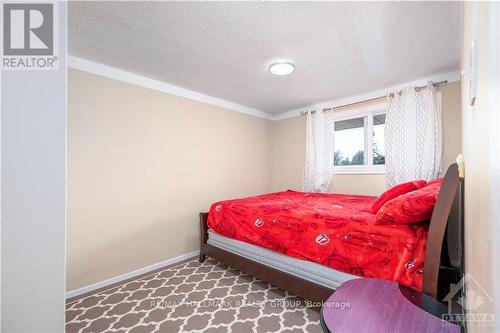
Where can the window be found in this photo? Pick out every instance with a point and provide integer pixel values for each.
(359, 140)
(349, 142)
(378, 139)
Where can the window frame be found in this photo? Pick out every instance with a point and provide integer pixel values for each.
(367, 112)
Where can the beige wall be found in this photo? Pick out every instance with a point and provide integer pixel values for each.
(481, 147)
(452, 123)
(288, 150)
(141, 165)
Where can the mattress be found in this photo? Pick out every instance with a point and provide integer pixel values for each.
(307, 270)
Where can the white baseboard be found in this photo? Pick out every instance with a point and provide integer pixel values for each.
(126, 276)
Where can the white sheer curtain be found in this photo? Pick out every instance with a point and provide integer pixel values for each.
(413, 135)
(318, 169)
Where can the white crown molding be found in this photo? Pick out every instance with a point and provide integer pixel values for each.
(129, 275)
(143, 81)
(450, 76)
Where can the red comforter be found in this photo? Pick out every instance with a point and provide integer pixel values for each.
(331, 229)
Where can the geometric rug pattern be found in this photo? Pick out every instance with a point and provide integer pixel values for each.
(192, 297)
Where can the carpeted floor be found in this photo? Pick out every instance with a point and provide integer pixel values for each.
(192, 297)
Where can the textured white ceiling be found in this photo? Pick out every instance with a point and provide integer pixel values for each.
(223, 49)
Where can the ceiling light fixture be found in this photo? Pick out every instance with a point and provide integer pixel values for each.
(281, 68)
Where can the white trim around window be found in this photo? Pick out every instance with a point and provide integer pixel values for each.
(367, 111)
(359, 170)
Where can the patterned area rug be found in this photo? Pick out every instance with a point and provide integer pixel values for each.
(192, 297)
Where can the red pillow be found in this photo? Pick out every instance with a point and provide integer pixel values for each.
(394, 192)
(412, 207)
(437, 180)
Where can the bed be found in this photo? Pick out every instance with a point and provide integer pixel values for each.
(265, 237)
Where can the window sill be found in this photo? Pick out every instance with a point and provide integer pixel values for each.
(359, 170)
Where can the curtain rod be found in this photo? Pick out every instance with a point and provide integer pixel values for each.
(434, 84)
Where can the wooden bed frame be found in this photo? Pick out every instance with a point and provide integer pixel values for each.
(315, 292)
